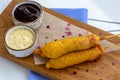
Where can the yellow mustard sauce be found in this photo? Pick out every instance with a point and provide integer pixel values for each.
(20, 39)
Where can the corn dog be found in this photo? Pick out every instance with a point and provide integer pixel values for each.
(75, 58)
(58, 48)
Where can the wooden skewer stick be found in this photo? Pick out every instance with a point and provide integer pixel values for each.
(109, 36)
(113, 46)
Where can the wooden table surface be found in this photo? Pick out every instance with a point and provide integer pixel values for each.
(105, 68)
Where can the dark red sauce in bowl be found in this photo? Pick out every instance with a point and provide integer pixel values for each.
(27, 12)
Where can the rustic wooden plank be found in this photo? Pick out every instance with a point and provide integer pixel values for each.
(104, 68)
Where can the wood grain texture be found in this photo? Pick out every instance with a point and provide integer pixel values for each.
(105, 68)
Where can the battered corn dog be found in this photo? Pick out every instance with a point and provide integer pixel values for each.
(58, 48)
(75, 58)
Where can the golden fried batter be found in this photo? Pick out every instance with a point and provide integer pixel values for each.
(58, 48)
(75, 58)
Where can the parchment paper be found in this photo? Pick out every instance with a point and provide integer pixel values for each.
(54, 28)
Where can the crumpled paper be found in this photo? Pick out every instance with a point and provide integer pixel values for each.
(54, 28)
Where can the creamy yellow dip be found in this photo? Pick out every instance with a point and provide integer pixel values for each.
(20, 39)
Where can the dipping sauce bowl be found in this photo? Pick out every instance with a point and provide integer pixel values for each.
(28, 13)
(20, 41)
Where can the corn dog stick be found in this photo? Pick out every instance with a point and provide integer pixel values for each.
(75, 58)
(109, 36)
(49, 54)
(58, 48)
(109, 47)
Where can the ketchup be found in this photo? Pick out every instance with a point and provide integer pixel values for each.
(27, 12)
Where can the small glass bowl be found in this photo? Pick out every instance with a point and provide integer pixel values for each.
(35, 23)
(21, 52)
